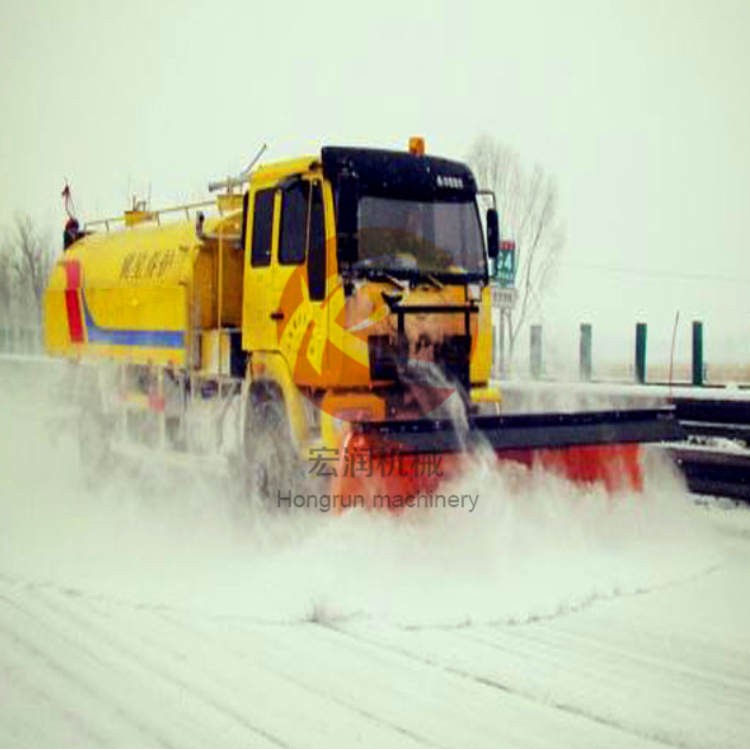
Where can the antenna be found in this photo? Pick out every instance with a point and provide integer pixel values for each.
(241, 179)
(255, 159)
(69, 205)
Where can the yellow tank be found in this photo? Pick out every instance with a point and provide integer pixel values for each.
(147, 293)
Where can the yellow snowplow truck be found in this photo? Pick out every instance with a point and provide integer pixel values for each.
(329, 321)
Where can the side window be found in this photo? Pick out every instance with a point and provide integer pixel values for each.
(243, 232)
(316, 259)
(262, 228)
(293, 223)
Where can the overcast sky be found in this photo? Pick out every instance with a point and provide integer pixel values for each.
(641, 110)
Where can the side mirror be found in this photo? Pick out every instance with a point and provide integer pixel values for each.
(493, 234)
(346, 219)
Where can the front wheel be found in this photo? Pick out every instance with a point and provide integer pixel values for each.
(271, 467)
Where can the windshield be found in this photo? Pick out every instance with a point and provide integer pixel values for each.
(438, 237)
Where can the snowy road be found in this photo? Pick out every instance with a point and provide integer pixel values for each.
(156, 611)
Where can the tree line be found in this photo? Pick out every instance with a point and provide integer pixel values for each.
(26, 258)
(527, 202)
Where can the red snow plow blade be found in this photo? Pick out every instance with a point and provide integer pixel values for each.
(390, 464)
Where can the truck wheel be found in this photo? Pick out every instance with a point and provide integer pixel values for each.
(271, 465)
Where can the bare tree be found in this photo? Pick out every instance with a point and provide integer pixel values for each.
(6, 285)
(527, 203)
(31, 260)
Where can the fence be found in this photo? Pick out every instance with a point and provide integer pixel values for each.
(636, 368)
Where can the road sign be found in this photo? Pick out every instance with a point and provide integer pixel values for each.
(505, 265)
(504, 298)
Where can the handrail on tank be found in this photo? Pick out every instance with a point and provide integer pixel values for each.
(154, 215)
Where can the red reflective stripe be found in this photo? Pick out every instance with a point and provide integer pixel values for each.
(72, 302)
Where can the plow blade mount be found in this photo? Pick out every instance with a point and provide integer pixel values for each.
(412, 457)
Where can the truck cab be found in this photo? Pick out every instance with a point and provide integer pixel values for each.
(366, 285)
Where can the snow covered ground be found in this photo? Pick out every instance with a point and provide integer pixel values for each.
(158, 610)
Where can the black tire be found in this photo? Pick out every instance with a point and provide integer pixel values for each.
(271, 467)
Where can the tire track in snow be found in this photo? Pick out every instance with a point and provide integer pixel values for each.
(529, 655)
(437, 673)
(712, 683)
(510, 689)
(23, 702)
(152, 637)
(110, 657)
(423, 707)
(652, 676)
(309, 685)
(70, 679)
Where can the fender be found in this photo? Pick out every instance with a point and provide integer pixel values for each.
(271, 367)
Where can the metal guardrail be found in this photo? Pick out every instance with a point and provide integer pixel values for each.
(716, 459)
(710, 472)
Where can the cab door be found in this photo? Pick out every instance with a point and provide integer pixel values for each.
(317, 279)
(299, 284)
(259, 327)
(285, 287)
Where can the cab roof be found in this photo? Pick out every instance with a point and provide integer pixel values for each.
(278, 170)
(400, 173)
(382, 172)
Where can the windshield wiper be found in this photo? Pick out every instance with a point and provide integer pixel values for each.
(379, 274)
(425, 276)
